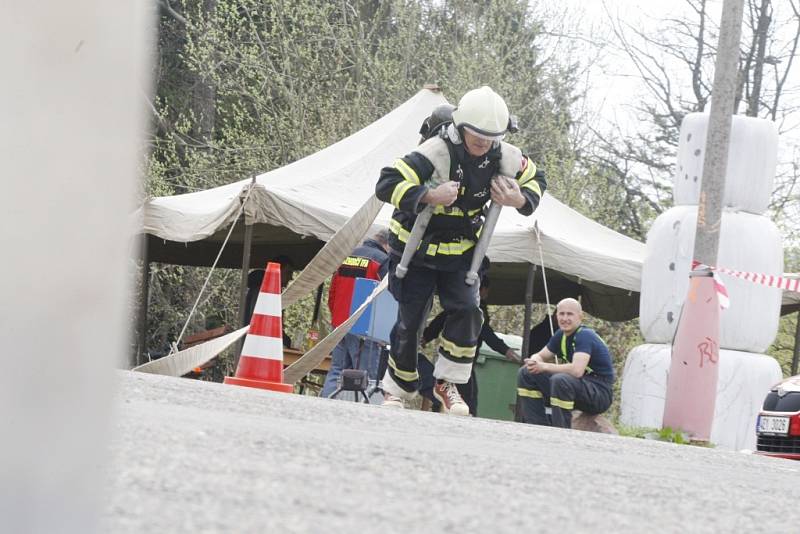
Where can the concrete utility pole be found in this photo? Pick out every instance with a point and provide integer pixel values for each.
(715, 162)
(691, 393)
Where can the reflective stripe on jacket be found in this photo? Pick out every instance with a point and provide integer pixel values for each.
(453, 230)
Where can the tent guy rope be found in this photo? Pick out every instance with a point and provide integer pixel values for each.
(211, 270)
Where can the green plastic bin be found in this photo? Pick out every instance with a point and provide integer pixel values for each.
(497, 380)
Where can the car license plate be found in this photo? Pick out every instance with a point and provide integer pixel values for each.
(770, 424)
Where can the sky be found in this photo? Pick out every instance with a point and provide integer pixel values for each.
(614, 83)
(613, 79)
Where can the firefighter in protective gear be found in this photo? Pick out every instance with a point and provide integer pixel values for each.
(471, 165)
(584, 381)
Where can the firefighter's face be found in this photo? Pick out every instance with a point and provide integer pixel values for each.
(569, 315)
(476, 146)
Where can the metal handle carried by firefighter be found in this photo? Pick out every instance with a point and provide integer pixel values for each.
(417, 232)
(414, 239)
(483, 242)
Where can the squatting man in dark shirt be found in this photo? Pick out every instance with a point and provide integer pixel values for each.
(584, 381)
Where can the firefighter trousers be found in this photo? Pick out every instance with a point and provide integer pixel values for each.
(563, 393)
(458, 339)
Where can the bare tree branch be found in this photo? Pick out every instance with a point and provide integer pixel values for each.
(168, 8)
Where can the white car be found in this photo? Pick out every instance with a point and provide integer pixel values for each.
(778, 424)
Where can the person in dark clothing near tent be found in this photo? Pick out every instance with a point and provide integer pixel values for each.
(469, 391)
(369, 260)
(541, 334)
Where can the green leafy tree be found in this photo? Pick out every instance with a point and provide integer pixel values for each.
(247, 86)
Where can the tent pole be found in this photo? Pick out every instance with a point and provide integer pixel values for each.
(526, 328)
(248, 241)
(141, 347)
(526, 325)
(796, 350)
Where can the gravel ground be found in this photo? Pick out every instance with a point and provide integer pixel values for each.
(192, 456)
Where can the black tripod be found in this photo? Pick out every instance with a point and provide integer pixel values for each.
(357, 380)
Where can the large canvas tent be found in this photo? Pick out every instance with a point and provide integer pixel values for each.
(295, 209)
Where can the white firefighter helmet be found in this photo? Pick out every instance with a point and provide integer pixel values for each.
(482, 111)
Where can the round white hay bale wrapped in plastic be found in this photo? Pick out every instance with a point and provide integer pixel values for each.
(747, 243)
(744, 380)
(751, 162)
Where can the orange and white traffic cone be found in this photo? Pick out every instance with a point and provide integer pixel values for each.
(261, 362)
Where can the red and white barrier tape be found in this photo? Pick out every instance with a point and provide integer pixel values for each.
(719, 285)
(768, 280)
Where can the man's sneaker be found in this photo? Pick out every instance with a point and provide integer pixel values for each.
(392, 401)
(452, 403)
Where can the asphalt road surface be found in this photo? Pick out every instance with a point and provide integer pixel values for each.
(191, 456)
